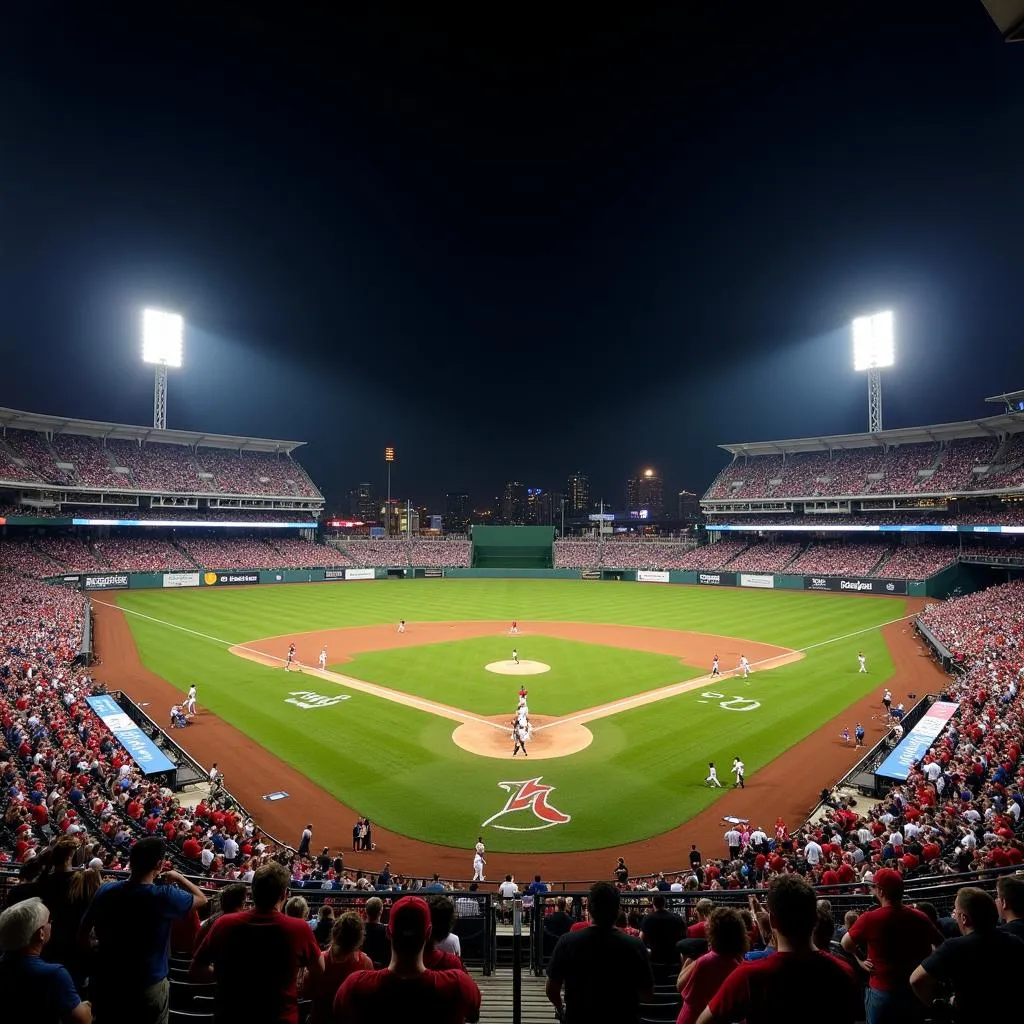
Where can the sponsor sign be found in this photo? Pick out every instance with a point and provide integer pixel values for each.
(360, 574)
(590, 574)
(528, 808)
(230, 579)
(181, 579)
(651, 576)
(433, 574)
(717, 579)
(150, 759)
(757, 580)
(71, 579)
(112, 581)
(855, 585)
(334, 574)
(918, 741)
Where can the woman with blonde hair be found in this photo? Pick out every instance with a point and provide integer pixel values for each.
(343, 957)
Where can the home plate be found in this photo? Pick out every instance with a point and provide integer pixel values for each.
(522, 668)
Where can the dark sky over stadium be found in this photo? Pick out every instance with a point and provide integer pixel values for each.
(513, 246)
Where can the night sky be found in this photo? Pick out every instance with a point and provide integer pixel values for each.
(510, 248)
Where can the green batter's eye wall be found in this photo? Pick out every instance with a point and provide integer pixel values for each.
(513, 547)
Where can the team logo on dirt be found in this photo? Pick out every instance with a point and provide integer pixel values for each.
(527, 803)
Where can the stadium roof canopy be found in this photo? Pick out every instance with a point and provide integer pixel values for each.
(124, 432)
(989, 426)
(1009, 18)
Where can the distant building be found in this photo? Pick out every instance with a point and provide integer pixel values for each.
(513, 503)
(689, 507)
(362, 504)
(538, 507)
(645, 492)
(456, 512)
(577, 493)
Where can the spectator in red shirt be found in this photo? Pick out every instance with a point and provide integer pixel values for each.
(255, 956)
(406, 990)
(755, 991)
(700, 979)
(344, 956)
(897, 938)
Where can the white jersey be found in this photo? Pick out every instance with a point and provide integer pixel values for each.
(192, 693)
(323, 658)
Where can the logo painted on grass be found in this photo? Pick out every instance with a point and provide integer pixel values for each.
(309, 699)
(530, 800)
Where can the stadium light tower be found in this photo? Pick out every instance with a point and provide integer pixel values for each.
(873, 350)
(162, 342)
(389, 457)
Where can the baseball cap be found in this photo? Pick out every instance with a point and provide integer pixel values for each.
(410, 919)
(889, 882)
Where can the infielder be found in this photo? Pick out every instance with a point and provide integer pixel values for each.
(712, 778)
(401, 625)
(290, 660)
(323, 658)
(515, 656)
(887, 701)
(714, 666)
(190, 700)
(862, 662)
(744, 666)
(515, 628)
(739, 768)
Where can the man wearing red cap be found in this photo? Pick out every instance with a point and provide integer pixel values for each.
(897, 938)
(407, 990)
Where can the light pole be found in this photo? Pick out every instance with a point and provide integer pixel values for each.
(873, 350)
(562, 534)
(389, 457)
(162, 341)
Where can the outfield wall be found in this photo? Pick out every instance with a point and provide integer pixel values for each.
(719, 578)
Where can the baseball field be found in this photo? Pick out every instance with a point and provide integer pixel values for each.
(413, 729)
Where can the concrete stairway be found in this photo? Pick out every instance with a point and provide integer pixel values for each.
(496, 999)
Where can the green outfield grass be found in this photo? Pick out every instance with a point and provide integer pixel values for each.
(642, 774)
(582, 675)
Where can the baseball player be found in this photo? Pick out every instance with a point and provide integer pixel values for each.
(712, 779)
(744, 666)
(845, 735)
(858, 732)
(190, 700)
(887, 701)
(523, 693)
(323, 658)
(515, 656)
(521, 733)
(515, 628)
(739, 769)
(479, 864)
(290, 660)
(401, 625)
(714, 666)
(523, 713)
(862, 662)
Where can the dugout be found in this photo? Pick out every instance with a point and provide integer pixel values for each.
(513, 547)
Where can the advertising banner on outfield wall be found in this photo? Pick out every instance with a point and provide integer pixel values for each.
(360, 574)
(112, 581)
(230, 579)
(757, 580)
(855, 585)
(651, 576)
(73, 580)
(334, 574)
(717, 579)
(918, 741)
(180, 579)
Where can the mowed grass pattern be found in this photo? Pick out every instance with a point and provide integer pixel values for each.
(642, 774)
(581, 676)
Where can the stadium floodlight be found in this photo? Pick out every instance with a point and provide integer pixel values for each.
(162, 343)
(389, 457)
(874, 348)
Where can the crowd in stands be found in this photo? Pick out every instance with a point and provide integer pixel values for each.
(119, 511)
(577, 554)
(838, 559)
(29, 456)
(440, 553)
(377, 553)
(960, 466)
(765, 557)
(140, 554)
(916, 561)
(713, 556)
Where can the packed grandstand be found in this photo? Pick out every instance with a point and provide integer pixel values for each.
(73, 802)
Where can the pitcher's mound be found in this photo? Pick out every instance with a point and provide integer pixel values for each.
(524, 668)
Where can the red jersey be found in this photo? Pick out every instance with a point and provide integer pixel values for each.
(897, 940)
(370, 997)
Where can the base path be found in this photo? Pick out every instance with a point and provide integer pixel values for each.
(787, 787)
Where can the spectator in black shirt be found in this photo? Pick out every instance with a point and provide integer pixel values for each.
(695, 858)
(558, 923)
(376, 944)
(1010, 903)
(660, 931)
(621, 872)
(968, 964)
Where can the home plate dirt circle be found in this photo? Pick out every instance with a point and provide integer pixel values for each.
(520, 668)
(479, 736)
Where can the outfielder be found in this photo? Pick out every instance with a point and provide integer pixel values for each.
(323, 658)
(739, 769)
(712, 778)
(190, 700)
(862, 662)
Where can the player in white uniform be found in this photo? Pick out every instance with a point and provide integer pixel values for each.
(478, 866)
(401, 625)
(190, 700)
(739, 769)
(291, 658)
(515, 656)
(712, 779)
(744, 666)
(862, 662)
(323, 658)
(714, 666)
(521, 734)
